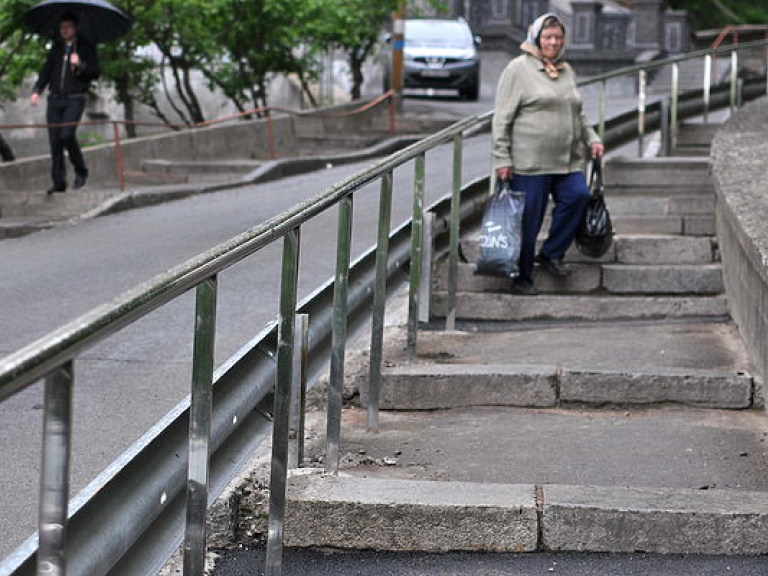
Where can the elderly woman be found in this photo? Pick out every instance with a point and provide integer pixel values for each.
(539, 139)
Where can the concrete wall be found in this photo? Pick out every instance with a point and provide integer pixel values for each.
(236, 140)
(740, 173)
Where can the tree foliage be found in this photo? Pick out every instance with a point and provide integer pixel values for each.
(236, 46)
(710, 14)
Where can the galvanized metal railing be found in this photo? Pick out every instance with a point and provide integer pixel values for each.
(233, 407)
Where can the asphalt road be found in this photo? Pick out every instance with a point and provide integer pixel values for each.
(318, 563)
(129, 382)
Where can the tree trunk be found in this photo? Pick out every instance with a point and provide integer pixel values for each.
(6, 152)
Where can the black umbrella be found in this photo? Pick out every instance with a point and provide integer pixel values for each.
(99, 21)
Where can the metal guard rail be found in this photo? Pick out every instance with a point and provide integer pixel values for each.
(52, 357)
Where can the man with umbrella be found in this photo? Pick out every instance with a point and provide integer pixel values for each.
(71, 65)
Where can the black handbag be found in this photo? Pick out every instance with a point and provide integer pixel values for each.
(595, 234)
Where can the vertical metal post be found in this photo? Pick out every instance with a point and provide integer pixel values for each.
(675, 106)
(279, 467)
(665, 133)
(398, 44)
(379, 302)
(641, 96)
(427, 251)
(54, 475)
(298, 392)
(453, 256)
(707, 84)
(734, 79)
(416, 254)
(200, 427)
(601, 109)
(339, 336)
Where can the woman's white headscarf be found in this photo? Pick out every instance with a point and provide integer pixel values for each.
(531, 44)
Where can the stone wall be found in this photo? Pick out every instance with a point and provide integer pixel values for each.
(740, 174)
(235, 140)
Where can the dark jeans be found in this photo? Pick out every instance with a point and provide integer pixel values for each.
(570, 194)
(60, 111)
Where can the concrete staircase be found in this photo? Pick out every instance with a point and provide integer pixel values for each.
(613, 413)
(663, 263)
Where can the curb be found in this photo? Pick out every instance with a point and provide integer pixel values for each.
(445, 386)
(407, 515)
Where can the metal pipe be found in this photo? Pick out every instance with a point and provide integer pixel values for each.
(54, 476)
(379, 302)
(339, 336)
(279, 468)
(200, 410)
(601, 108)
(427, 252)
(298, 392)
(664, 128)
(453, 256)
(707, 85)
(641, 97)
(734, 80)
(416, 254)
(675, 105)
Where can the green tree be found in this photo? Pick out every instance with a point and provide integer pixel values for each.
(127, 65)
(21, 53)
(720, 13)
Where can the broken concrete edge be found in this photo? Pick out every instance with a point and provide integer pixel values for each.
(445, 386)
(345, 512)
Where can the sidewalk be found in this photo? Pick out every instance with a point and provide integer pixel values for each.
(616, 412)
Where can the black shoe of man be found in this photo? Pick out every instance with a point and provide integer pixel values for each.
(80, 180)
(554, 266)
(523, 287)
(56, 190)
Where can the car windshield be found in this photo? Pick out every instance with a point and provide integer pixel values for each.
(432, 33)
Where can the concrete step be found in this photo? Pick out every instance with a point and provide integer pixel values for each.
(697, 133)
(671, 175)
(140, 178)
(631, 249)
(210, 167)
(611, 278)
(448, 386)
(40, 206)
(439, 516)
(663, 279)
(17, 227)
(503, 307)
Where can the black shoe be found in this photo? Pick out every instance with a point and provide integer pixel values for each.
(55, 190)
(80, 180)
(555, 267)
(523, 287)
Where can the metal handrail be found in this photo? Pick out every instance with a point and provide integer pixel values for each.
(52, 356)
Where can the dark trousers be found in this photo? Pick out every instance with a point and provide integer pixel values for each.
(61, 111)
(570, 194)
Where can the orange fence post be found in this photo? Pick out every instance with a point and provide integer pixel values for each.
(119, 157)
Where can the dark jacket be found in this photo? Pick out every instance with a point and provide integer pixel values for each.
(61, 78)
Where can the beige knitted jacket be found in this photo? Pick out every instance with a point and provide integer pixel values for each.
(538, 125)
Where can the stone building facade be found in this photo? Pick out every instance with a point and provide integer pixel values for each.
(602, 34)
